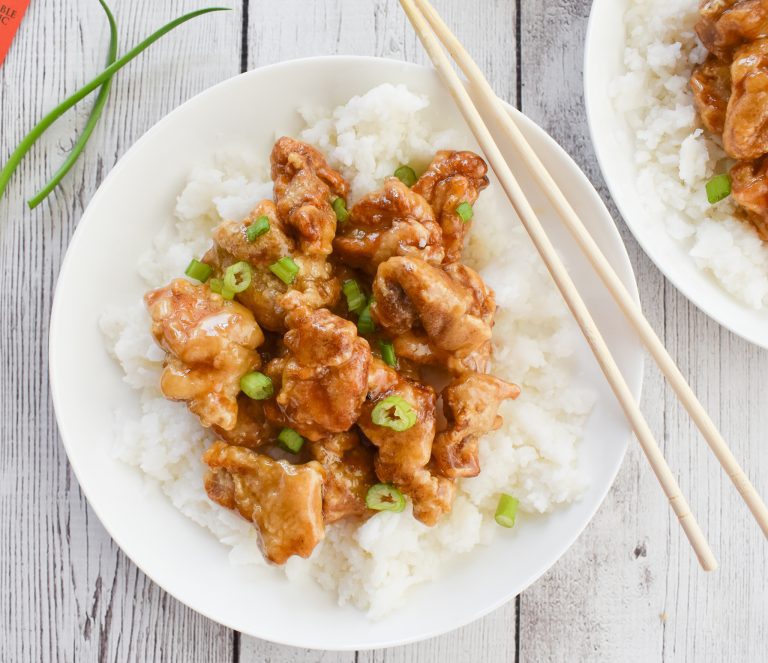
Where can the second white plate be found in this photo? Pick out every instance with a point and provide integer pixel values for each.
(615, 148)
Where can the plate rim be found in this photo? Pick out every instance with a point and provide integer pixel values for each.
(55, 382)
(600, 148)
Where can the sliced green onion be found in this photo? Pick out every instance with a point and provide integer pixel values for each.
(227, 292)
(506, 511)
(93, 119)
(394, 412)
(290, 440)
(258, 228)
(406, 175)
(340, 207)
(365, 323)
(256, 386)
(31, 138)
(237, 277)
(285, 269)
(388, 353)
(216, 285)
(198, 270)
(718, 188)
(385, 497)
(356, 300)
(465, 211)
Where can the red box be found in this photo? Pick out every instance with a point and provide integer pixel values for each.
(11, 13)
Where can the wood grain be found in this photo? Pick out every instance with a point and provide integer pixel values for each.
(66, 592)
(627, 591)
(631, 586)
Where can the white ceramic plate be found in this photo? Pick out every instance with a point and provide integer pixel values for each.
(100, 270)
(614, 145)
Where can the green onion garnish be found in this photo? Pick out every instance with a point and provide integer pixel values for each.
(718, 188)
(285, 269)
(290, 440)
(31, 138)
(388, 353)
(406, 175)
(356, 300)
(259, 227)
(365, 324)
(394, 412)
(237, 277)
(256, 386)
(506, 511)
(340, 207)
(465, 211)
(216, 285)
(385, 497)
(198, 270)
(227, 292)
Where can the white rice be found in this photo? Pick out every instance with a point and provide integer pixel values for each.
(674, 156)
(534, 456)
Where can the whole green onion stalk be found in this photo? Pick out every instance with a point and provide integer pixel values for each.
(93, 119)
(104, 77)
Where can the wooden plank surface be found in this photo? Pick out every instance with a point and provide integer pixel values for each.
(66, 592)
(628, 590)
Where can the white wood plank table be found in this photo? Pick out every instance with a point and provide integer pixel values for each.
(628, 590)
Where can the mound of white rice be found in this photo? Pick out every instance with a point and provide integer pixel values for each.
(674, 156)
(533, 457)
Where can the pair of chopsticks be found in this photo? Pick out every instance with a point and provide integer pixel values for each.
(431, 30)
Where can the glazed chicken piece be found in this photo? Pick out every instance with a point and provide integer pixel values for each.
(415, 346)
(264, 297)
(232, 237)
(305, 187)
(470, 403)
(452, 307)
(746, 123)
(403, 456)
(711, 87)
(727, 24)
(349, 474)
(211, 343)
(749, 187)
(323, 375)
(251, 429)
(283, 501)
(451, 179)
(393, 221)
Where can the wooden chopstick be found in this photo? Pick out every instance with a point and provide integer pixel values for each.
(565, 284)
(603, 268)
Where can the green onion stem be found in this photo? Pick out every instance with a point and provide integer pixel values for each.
(388, 353)
(406, 175)
(285, 269)
(198, 270)
(365, 323)
(506, 511)
(718, 188)
(18, 154)
(385, 497)
(465, 212)
(93, 119)
(394, 412)
(356, 300)
(340, 208)
(258, 228)
(290, 440)
(257, 386)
